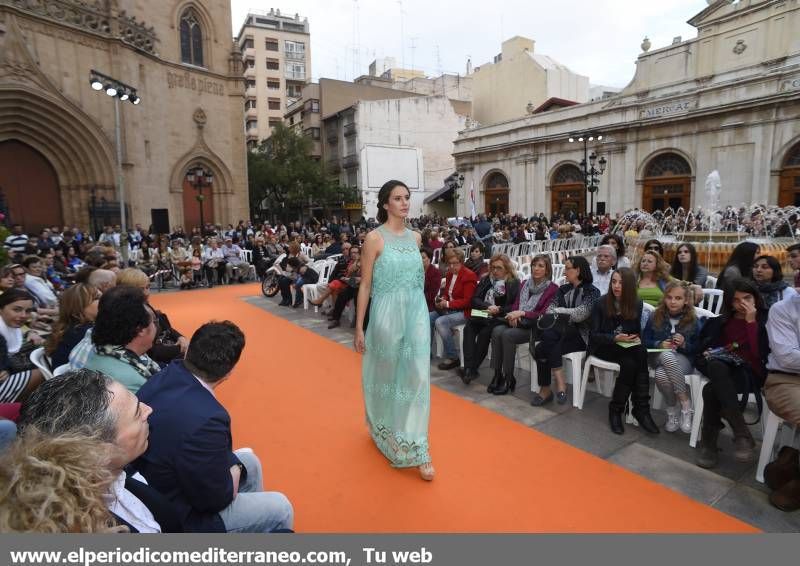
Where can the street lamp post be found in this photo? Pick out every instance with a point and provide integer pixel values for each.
(121, 93)
(591, 167)
(199, 178)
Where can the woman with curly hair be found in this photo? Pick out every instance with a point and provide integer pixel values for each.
(56, 484)
(652, 274)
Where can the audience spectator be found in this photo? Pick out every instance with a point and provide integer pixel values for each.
(452, 305)
(8, 433)
(18, 375)
(616, 337)
(618, 243)
(569, 332)
(433, 279)
(123, 332)
(348, 287)
(55, 484)
(740, 264)
(732, 354)
(652, 276)
(476, 261)
(768, 276)
(102, 279)
(214, 262)
(7, 278)
(493, 299)
(41, 289)
(169, 344)
(603, 267)
(16, 242)
(77, 313)
(685, 266)
(674, 328)
(793, 253)
(91, 403)
(782, 392)
(190, 457)
(233, 261)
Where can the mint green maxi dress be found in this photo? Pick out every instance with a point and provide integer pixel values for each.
(396, 365)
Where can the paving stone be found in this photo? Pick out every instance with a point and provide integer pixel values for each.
(517, 409)
(753, 507)
(699, 484)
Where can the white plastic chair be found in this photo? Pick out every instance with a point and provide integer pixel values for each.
(39, 359)
(772, 423)
(711, 282)
(712, 300)
(61, 370)
(558, 270)
(312, 291)
(594, 363)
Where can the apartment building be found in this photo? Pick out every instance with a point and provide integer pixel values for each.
(276, 56)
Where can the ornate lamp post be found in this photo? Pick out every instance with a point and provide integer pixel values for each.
(199, 178)
(591, 167)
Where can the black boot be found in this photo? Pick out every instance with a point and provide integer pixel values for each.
(783, 469)
(615, 420)
(641, 404)
(497, 380)
(508, 384)
(708, 453)
(745, 450)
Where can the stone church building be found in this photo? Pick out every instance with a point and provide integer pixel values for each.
(58, 154)
(727, 100)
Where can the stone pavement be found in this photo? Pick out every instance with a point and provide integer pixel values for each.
(665, 458)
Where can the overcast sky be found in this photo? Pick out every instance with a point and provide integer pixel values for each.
(597, 39)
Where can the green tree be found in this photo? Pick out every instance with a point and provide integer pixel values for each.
(285, 180)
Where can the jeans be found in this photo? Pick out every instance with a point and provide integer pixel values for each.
(254, 510)
(8, 432)
(444, 325)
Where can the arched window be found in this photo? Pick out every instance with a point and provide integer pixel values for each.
(668, 165)
(191, 39)
(789, 194)
(497, 181)
(667, 183)
(567, 191)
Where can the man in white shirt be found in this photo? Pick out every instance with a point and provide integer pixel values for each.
(91, 402)
(782, 392)
(603, 267)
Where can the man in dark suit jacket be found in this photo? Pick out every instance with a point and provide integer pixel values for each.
(190, 457)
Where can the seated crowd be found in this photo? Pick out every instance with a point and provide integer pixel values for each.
(119, 365)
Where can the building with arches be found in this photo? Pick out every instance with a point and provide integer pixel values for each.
(727, 100)
(58, 161)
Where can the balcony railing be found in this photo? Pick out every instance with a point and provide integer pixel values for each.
(251, 113)
(250, 92)
(333, 163)
(350, 161)
(249, 72)
(332, 135)
(295, 55)
(295, 75)
(349, 129)
(249, 52)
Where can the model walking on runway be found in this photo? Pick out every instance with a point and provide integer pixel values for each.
(396, 348)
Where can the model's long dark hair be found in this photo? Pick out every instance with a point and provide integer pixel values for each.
(383, 198)
(743, 257)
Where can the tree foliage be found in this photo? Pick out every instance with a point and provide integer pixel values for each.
(284, 179)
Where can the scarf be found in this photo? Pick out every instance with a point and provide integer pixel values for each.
(13, 337)
(474, 265)
(497, 290)
(531, 293)
(772, 292)
(143, 365)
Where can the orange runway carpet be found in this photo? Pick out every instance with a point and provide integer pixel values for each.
(295, 398)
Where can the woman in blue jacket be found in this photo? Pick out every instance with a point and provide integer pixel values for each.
(675, 328)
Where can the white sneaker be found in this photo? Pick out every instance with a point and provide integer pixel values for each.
(686, 420)
(672, 420)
